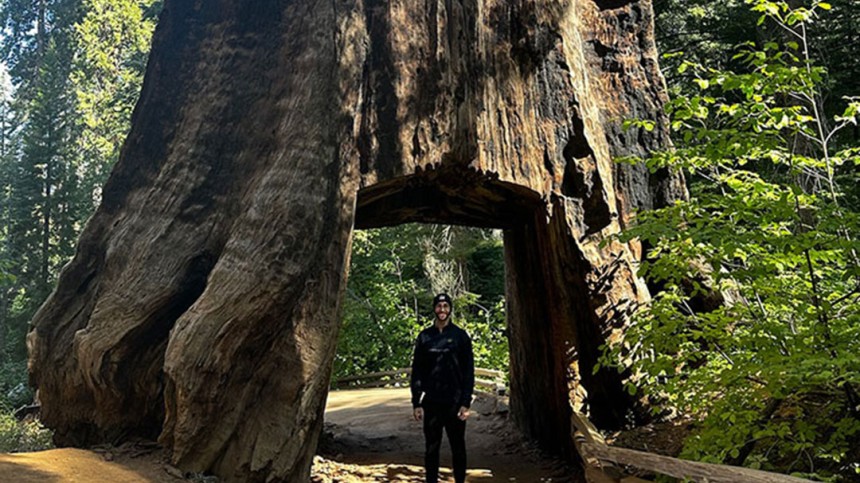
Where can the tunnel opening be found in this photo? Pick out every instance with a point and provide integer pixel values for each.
(541, 333)
(394, 273)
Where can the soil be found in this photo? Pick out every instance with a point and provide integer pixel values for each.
(72, 465)
(371, 433)
(369, 436)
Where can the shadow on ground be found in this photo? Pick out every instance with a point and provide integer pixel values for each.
(25, 474)
(372, 432)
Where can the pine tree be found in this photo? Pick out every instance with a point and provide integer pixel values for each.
(112, 41)
(9, 151)
(41, 203)
(43, 194)
(77, 68)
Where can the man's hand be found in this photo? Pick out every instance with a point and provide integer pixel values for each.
(418, 414)
(463, 414)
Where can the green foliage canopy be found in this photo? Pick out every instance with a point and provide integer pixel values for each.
(772, 374)
(75, 70)
(394, 274)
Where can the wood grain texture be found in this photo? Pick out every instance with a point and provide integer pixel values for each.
(681, 469)
(202, 304)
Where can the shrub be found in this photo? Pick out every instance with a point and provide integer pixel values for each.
(19, 436)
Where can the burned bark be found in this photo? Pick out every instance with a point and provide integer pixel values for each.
(201, 306)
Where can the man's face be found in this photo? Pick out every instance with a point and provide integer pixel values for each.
(443, 310)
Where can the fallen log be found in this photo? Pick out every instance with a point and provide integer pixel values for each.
(603, 463)
(689, 470)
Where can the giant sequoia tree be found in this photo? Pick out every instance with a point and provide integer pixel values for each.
(202, 304)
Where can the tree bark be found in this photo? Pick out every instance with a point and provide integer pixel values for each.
(202, 304)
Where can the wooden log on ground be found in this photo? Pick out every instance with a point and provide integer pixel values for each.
(375, 375)
(604, 463)
(690, 470)
(388, 378)
(489, 373)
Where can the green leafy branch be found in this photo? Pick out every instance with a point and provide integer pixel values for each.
(754, 332)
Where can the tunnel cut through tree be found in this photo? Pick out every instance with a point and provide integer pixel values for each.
(201, 306)
(394, 273)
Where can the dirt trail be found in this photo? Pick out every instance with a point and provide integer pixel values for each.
(374, 427)
(369, 437)
(71, 465)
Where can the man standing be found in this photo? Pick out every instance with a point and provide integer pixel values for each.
(443, 370)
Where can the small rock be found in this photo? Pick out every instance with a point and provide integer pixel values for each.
(174, 472)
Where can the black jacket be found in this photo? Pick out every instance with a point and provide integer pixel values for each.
(443, 367)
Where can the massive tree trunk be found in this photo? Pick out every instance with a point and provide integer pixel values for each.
(201, 306)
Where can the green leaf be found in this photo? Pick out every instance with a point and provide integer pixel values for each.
(702, 83)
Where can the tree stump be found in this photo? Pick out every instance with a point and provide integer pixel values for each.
(202, 304)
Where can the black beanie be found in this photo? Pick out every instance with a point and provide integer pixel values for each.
(442, 297)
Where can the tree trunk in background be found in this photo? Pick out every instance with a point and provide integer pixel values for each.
(202, 304)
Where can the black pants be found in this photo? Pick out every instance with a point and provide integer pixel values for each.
(436, 417)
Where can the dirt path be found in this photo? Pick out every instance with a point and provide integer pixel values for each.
(369, 437)
(71, 465)
(374, 427)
